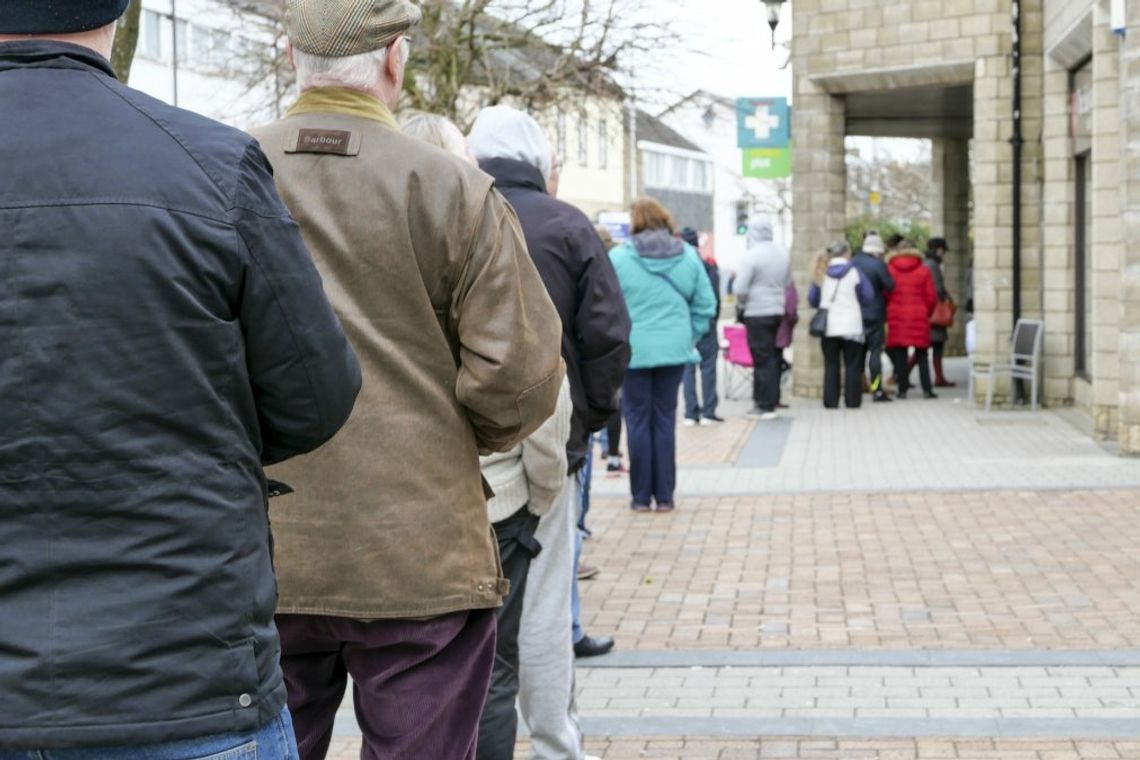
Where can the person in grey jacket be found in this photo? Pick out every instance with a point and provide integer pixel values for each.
(760, 288)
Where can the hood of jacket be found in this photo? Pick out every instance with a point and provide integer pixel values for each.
(907, 261)
(505, 132)
(511, 173)
(839, 267)
(760, 231)
(658, 250)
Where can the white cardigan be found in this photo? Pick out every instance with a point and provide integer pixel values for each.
(844, 314)
(533, 473)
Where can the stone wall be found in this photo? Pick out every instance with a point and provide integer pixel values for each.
(1129, 328)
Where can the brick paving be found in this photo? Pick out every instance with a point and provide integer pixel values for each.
(1007, 570)
(877, 554)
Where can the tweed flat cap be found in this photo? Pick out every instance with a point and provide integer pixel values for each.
(57, 16)
(339, 28)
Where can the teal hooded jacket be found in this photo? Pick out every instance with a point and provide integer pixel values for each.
(669, 297)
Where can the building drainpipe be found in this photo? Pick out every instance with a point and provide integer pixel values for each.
(1018, 142)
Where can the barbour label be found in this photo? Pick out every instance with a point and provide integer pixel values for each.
(334, 141)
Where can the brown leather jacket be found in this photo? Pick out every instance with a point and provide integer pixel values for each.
(427, 269)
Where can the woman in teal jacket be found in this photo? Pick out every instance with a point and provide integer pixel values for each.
(671, 303)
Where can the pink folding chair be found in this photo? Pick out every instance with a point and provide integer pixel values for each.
(737, 362)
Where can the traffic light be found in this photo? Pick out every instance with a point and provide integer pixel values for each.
(742, 217)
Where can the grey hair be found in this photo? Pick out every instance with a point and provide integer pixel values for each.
(356, 72)
(438, 131)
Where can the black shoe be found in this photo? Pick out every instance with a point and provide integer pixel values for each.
(929, 394)
(881, 397)
(901, 395)
(588, 646)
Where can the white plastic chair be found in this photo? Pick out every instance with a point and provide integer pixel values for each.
(1024, 360)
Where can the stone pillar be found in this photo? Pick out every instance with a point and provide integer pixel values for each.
(950, 164)
(1129, 339)
(1106, 246)
(820, 192)
(1059, 274)
(993, 192)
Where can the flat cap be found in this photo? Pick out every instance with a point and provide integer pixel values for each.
(339, 28)
(57, 16)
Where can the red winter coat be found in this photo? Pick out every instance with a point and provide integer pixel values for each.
(910, 305)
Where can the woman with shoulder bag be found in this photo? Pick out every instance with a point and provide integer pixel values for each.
(671, 305)
(839, 292)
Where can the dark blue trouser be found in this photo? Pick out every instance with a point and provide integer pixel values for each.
(649, 402)
(708, 347)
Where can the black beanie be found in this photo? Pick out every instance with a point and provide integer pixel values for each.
(58, 16)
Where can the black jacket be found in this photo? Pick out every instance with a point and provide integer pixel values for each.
(876, 272)
(164, 335)
(580, 279)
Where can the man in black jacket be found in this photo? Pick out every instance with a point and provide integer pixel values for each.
(165, 336)
(869, 262)
(576, 269)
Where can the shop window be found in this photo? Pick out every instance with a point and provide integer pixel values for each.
(1083, 267)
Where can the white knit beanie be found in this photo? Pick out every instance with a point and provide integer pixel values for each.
(505, 132)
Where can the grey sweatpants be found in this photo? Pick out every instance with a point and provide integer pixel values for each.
(546, 652)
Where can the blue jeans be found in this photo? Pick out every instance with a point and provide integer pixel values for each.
(273, 741)
(708, 347)
(649, 402)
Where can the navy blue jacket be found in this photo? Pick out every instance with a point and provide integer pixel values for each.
(581, 282)
(875, 272)
(163, 334)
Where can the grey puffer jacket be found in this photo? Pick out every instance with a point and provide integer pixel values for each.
(764, 275)
(165, 335)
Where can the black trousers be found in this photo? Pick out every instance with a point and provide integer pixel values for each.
(765, 361)
(850, 352)
(613, 434)
(898, 358)
(498, 726)
(875, 335)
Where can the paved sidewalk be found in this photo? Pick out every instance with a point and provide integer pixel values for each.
(904, 581)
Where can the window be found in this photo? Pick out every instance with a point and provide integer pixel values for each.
(701, 176)
(603, 144)
(199, 44)
(679, 175)
(182, 40)
(583, 139)
(655, 171)
(152, 35)
(1083, 267)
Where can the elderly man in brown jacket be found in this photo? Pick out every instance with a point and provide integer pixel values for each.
(387, 563)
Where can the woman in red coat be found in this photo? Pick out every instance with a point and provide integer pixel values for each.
(908, 315)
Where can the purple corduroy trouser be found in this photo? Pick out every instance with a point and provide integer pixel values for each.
(418, 686)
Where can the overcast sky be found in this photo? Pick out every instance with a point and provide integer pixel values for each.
(732, 49)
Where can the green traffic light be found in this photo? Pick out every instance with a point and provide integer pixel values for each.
(742, 229)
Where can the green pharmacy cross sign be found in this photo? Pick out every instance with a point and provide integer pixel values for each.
(767, 163)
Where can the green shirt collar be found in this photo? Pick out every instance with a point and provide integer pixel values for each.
(346, 101)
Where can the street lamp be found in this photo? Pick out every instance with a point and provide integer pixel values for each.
(774, 7)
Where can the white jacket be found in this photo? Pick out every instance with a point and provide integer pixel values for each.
(533, 473)
(841, 299)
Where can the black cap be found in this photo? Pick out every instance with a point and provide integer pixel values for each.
(58, 16)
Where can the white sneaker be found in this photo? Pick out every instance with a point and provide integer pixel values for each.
(768, 416)
(690, 422)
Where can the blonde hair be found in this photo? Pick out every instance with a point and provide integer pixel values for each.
(819, 267)
(649, 214)
(438, 131)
